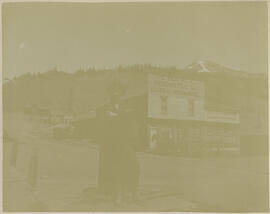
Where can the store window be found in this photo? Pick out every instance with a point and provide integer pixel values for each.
(164, 104)
(180, 135)
(191, 107)
(194, 133)
(166, 135)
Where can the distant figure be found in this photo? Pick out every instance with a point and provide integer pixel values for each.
(154, 141)
(119, 169)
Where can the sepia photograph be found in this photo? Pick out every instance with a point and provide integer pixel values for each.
(135, 106)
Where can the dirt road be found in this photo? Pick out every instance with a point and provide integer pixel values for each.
(67, 167)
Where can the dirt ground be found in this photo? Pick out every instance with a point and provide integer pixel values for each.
(67, 167)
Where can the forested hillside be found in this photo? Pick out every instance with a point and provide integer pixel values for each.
(86, 89)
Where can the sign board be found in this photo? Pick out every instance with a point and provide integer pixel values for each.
(166, 85)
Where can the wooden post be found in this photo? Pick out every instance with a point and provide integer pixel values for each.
(32, 176)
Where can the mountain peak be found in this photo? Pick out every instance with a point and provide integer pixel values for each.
(207, 66)
(203, 66)
(199, 66)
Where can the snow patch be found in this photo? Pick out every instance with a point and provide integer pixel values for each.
(204, 69)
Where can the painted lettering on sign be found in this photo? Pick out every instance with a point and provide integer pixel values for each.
(174, 86)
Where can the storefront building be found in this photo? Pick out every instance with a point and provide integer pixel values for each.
(179, 122)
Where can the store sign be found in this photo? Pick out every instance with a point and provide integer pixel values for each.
(221, 117)
(167, 85)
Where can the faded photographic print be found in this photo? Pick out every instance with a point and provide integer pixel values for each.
(135, 106)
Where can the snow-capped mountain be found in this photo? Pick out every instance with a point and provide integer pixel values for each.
(208, 66)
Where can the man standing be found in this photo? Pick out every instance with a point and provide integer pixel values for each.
(118, 170)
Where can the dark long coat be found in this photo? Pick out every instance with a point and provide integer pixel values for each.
(118, 169)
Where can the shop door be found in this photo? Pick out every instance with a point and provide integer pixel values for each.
(153, 138)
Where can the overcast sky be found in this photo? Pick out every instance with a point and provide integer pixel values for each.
(40, 36)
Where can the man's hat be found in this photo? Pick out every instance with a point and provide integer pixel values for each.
(116, 88)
